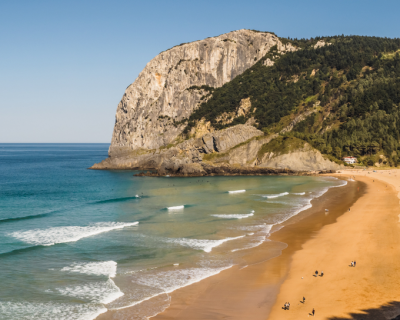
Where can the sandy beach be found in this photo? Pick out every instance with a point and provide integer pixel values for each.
(369, 234)
(316, 239)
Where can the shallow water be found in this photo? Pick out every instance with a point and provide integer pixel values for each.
(76, 242)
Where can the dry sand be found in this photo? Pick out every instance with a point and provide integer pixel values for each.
(369, 234)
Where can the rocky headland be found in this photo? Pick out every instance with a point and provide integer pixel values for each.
(150, 119)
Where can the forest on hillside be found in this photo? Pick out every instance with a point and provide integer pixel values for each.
(352, 85)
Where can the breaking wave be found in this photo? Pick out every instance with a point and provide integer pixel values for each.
(51, 236)
(236, 191)
(169, 281)
(200, 244)
(103, 268)
(176, 208)
(233, 216)
(100, 292)
(271, 196)
(50, 311)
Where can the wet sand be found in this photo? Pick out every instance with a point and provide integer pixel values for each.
(249, 290)
(369, 234)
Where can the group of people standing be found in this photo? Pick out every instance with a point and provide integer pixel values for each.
(353, 263)
(286, 306)
(316, 273)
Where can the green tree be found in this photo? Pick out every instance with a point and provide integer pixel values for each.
(338, 152)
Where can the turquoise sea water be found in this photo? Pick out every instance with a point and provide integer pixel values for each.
(76, 242)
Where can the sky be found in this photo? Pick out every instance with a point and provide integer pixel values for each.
(64, 65)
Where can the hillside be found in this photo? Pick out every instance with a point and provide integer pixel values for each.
(340, 95)
(352, 84)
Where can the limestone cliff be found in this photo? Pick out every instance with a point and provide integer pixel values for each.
(159, 96)
(147, 131)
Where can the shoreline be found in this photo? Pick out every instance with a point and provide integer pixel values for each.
(204, 169)
(368, 234)
(263, 264)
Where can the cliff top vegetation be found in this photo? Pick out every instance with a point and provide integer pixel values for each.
(355, 81)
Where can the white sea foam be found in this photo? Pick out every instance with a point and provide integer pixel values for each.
(50, 311)
(256, 228)
(100, 292)
(233, 216)
(200, 244)
(176, 208)
(237, 191)
(50, 236)
(299, 193)
(263, 231)
(308, 205)
(169, 281)
(271, 196)
(104, 268)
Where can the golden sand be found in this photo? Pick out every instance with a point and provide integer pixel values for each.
(368, 234)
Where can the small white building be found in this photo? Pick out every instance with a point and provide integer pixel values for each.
(350, 160)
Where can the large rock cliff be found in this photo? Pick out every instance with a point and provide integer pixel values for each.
(159, 96)
(147, 131)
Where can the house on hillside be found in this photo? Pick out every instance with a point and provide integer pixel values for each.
(350, 160)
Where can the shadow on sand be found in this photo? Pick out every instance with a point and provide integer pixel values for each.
(389, 311)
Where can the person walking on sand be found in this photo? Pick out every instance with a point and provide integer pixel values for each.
(313, 312)
(316, 273)
(288, 306)
(322, 273)
(304, 300)
(354, 262)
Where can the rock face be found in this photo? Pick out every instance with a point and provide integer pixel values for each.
(187, 152)
(147, 130)
(161, 95)
(305, 159)
(321, 43)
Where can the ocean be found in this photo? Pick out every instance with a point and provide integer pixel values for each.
(76, 242)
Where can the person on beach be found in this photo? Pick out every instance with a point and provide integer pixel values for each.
(322, 273)
(316, 273)
(313, 312)
(354, 262)
(288, 305)
(304, 300)
(285, 306)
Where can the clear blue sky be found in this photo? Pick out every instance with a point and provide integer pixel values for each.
(64, 65)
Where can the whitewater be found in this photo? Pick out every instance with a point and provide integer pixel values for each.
(75, 243)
